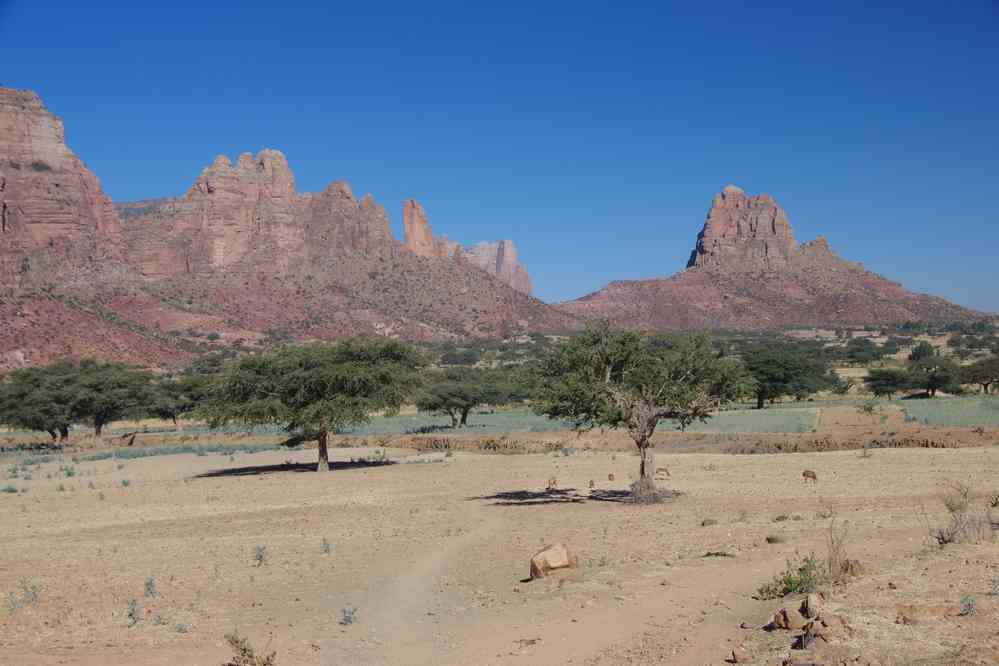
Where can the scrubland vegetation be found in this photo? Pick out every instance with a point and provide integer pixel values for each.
(206, 519)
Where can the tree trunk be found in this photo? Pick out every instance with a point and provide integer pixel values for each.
(98, 429)
(63, 433)
(454, 419)
(647, 464)
(644, 490)
(53, 435)
(464, 417)
(759, 401)
(324, 453)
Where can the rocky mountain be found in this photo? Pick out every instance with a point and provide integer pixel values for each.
(240, 256)
(498, 258)
(54, 218)
(748, 272)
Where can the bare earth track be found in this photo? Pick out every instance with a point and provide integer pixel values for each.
(432, 552)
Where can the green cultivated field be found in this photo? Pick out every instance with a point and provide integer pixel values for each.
(958, 412)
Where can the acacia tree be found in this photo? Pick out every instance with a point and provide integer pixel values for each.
(457, 391)
(935, 373)
(105, 392)
(315, 390)
(985, 373)
(886, 381)
(621, 379)
(779, 371)
(38, 398)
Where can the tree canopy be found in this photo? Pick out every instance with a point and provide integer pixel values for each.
(780, 371)
(455, 392)
(621, 379)
(935, 373)
(315, 390)
(985, 373)
(886, 381)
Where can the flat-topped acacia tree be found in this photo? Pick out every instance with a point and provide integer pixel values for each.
(621, 379)
(315, 390)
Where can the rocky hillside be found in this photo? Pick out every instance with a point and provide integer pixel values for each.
(238, 257)
(748, 272)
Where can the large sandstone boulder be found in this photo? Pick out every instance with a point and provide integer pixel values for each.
(550, 558)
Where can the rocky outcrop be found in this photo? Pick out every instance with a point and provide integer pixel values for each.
(54, 218)
(743, 232)
(746, 272)
(418, 237)
(500, 259)
(247, 217)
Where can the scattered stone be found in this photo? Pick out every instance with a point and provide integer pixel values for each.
(707, 522)
(550, 558)
(811, 607)
(774, 538)
(781, 518)
(740, 655)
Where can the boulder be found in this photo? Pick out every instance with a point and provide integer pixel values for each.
(811, 606)
(550, 558)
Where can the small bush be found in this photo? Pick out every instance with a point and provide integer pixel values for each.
(150, 587)
(125, 483)
(348, 615)
(132, 614)
(8, 489)
(325, 547)
(795, 579)
(968, 606)
(260, 555)
(243, 653)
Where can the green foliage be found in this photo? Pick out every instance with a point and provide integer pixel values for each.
(799, 578)
(921, 351)
(315, 390)
(616, 379)
(886, 381)
(457, 391)
(779, 370)
(935, 373)
(985, 373)
(38, 398)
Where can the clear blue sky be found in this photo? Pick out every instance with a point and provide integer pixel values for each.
(593, 134)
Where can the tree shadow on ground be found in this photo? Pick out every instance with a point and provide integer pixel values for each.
(552, 496)
(257, 470)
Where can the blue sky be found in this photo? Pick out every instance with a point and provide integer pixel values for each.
(593, 135)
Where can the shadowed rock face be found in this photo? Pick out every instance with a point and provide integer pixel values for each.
(747, 272)
(54, 217)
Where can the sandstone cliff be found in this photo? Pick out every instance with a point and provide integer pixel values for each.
(747, 272)
(498, 258)
(54, 218)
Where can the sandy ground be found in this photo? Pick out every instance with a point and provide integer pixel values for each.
(432, 552)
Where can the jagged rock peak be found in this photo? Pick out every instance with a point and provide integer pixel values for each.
(743, 231)
(50, 202)
(500, 259)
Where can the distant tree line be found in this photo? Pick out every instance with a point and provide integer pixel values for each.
(599, 377)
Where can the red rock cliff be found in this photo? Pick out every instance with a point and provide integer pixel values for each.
(54, 217)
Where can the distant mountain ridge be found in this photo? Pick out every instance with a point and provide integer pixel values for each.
(748, 272)
(242, 256)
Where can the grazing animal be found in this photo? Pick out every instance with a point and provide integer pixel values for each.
(809, 475)
(662, 470)
(610, 477)
(552, 483)
(593, 484)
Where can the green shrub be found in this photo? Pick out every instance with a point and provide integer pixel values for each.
(795, 579)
